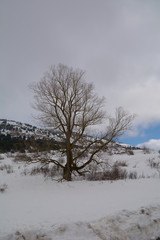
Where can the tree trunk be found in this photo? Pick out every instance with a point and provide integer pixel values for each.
(67, 174)
(67, 171)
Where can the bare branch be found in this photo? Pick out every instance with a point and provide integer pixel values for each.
(69, 104)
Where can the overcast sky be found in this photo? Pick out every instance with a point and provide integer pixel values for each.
(117, 43)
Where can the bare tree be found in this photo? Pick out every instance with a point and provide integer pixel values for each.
(69, 104)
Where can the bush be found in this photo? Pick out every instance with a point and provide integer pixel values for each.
(120, 164)
(8, 168)
(146, 150)
(132, 175)
(46, 171)
(21, 157)
(1, 157)
(130, 152)
(3, 188)
(115, 173)
(153, 163)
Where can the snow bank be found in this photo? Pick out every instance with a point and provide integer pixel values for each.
(35, 208)
(144, 225)
(31, 203)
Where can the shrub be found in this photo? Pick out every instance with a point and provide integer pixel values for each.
(1, 157)
(115, 173)
(146, 150)
(132, 175)
(120, 164)
(153, 163)
(45, 171)
(130, 152)
(21, 157)
(8, 168)
(3, 188)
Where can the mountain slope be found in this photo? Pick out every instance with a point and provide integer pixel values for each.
(17, 136)
(16, 129)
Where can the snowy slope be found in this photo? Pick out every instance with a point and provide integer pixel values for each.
(140, 163)
(36, 208)
(15, 129)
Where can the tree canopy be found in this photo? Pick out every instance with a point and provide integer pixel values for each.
(69, 104)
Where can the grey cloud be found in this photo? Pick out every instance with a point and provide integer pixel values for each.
(116, 42)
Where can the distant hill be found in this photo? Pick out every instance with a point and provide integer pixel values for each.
(17, 136)
(15, 129)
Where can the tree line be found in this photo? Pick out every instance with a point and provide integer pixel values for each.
(22, 144)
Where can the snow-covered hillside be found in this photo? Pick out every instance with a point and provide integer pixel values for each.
(34, 207)
(15, 129)
(16, 136)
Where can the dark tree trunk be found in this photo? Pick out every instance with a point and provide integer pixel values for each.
(67, 171)
(67, 174)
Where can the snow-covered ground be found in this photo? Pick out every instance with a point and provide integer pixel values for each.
(36, 208)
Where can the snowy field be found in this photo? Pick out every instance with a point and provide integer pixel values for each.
(33, 207)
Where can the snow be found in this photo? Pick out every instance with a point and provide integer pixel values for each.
(36, 208)
(139, 163)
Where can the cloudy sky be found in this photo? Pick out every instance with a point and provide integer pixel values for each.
(117, 43)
